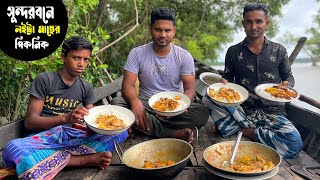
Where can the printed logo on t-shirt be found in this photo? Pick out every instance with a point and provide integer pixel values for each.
(159, 70)
(60, 105)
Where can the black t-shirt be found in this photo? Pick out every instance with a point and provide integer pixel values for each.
(57, 96)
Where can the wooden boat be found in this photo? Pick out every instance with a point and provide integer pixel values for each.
(304, 166)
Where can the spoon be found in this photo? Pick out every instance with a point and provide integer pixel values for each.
(235, 147)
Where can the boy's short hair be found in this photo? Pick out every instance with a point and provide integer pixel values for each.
(255, 6)
(75, 43)
(163, 13)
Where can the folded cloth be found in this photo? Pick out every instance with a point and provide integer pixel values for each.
(43, 155)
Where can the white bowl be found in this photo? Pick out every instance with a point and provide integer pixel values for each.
(122, 113)
(209, 78)
(206, 79)
(241, 90)
(184, 103)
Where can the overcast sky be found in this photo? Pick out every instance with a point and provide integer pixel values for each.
(297, 17)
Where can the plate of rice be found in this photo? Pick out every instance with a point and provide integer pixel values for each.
(109, 119)
(229, 94)
(276, 92)
(169, 103)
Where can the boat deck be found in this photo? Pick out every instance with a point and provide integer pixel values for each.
(195, 168)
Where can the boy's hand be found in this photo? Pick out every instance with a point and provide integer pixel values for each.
(76, 116)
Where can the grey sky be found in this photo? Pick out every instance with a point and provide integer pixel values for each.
(297, 17)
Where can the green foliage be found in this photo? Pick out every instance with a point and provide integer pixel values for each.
(16, 76)
(13, 82)
(312, 45)
(202, 26)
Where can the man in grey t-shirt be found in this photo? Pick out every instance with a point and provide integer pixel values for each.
(161, 66)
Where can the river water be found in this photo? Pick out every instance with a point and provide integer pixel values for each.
(307, 79)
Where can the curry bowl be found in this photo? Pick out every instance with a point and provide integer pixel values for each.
(122, 113)
(205, 80)
(209, 78)
(163, 149)
(216, 154)
(184, 103)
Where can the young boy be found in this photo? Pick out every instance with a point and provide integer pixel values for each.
(54, 100)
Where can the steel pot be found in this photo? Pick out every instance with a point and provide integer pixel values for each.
(216, 154)
(155, 150)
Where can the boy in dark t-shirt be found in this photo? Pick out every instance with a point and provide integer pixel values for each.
(58, 97)
(54, 100)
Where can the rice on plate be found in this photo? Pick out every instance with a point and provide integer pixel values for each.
(260, 90)
(183, 102)
(122, 113)
(241, 91)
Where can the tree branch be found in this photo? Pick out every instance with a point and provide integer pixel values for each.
(101, 10)
(122, 27)
(125, 34)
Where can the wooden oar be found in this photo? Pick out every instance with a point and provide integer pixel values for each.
(297, 49)
(309, 100)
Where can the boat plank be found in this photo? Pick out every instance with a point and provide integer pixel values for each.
(303, 159)
(212, 134)
(282, 174)
(203, 174)
(114, 173)
(186, 174)
(286, 172)
(11, 131)
(302, 116)
(123, 173)
(200, 145)
(77, 173)
(193, 159)
(104, 91)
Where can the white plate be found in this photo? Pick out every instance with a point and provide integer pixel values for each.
(122, 113)
(209, 78)
(260, 91)
(241, 90)
(184, 103)
(239, 177)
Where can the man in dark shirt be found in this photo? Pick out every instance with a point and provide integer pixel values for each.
(257, 60)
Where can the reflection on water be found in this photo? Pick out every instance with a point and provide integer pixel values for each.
(307, 82)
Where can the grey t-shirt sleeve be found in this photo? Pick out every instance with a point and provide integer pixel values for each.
(132, 63)
(187, 67)
(38, 87)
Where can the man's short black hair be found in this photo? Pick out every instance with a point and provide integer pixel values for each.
(163, 13)
(75, 43)
(254, 7)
